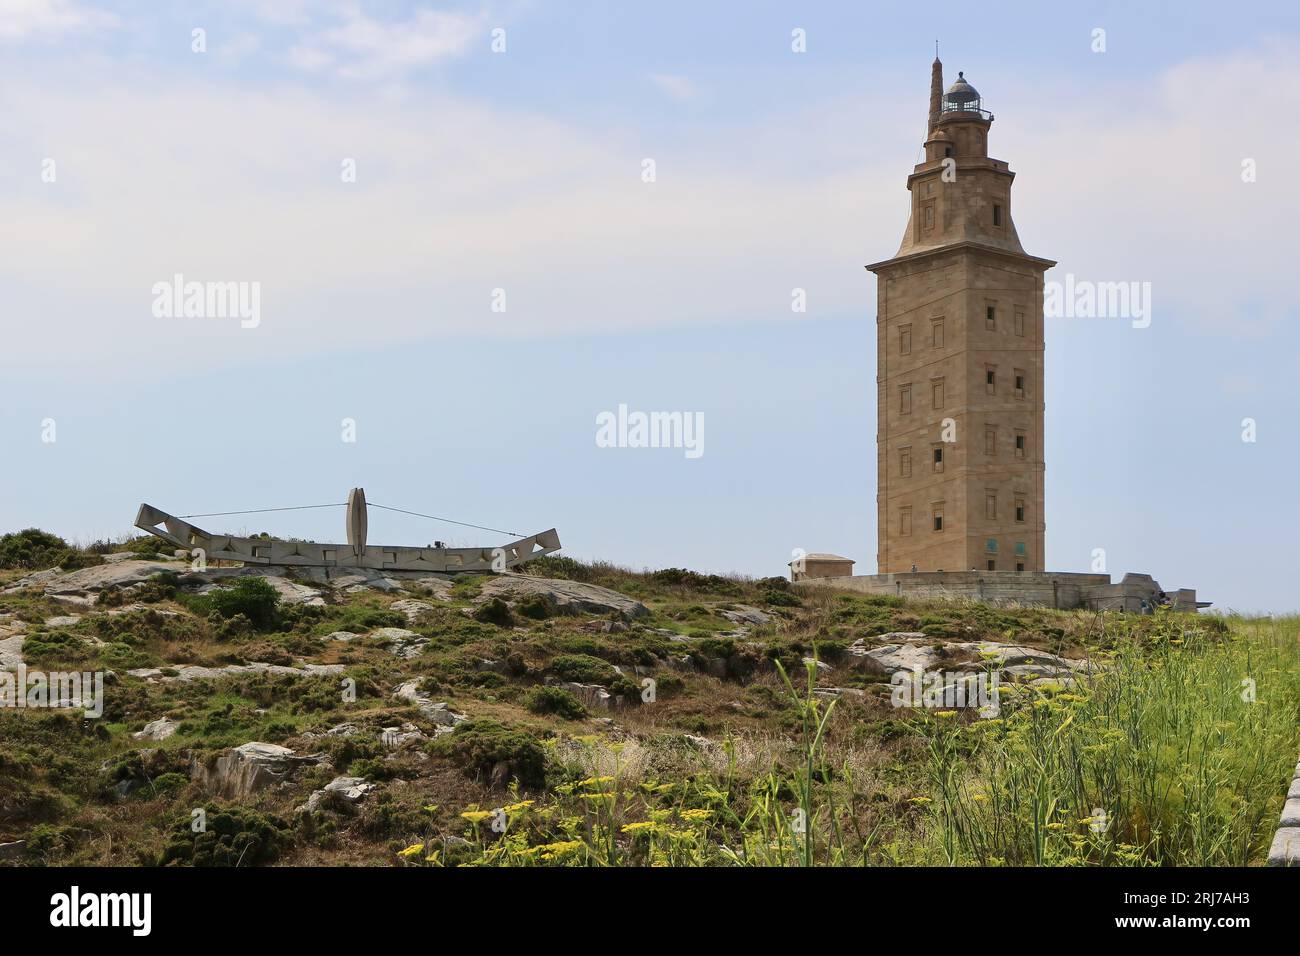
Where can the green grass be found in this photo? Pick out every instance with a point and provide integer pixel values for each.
(1163, 759)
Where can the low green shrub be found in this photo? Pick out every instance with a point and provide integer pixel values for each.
(537, 606)
(555, 700)
(232, 836)
(35, 550)
(582, 668)
(495, 611)
(480, 746)
(252, 597)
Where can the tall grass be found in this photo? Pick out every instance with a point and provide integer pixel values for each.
(1177, 754)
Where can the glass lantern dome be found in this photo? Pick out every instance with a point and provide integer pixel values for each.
(963, 98)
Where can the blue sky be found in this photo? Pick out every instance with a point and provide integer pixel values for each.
(522, 171)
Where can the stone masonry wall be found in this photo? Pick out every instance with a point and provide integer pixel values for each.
(1285, 850)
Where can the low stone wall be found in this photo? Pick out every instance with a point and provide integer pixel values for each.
(1066, 590)
(1285, 850)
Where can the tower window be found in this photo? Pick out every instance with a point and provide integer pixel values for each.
(1020, 384)
(938, 459)
(905, 399)
(990, 317)
(997, 215)
(1020, 446)
(938, 520)
(991, 545)
(1020, 549)
(990, 378)
(1019, 566)
(1020, 509)
(936, 393)
(1020, 322)
(947, 151)
(905, 521)
(992, 565)
(936, 334)
(990, 440)
(905, 340)
(905, 463)
(991, 507)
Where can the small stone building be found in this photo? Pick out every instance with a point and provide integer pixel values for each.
(820, 566)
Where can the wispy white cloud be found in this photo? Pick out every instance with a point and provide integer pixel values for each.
(30, 19)
(678, 87)
(363, 47)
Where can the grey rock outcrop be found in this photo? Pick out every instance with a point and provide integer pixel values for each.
(288, 591)
(888, 658)
(395, 737)
(249, 768)
(568, 596)
(746, 615)
(11, 651)
(35, 579)
(414, 610)
(83, 587)
(401, 642)
(445, 719)
(160, 729)
(593, 696)
(341, 794)
(196, 672)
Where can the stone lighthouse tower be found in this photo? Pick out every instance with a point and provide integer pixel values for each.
(959, 342)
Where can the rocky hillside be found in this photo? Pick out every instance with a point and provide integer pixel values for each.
(587, 714)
